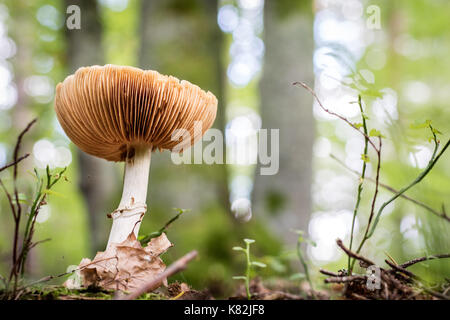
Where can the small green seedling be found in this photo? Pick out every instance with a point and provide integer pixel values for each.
(301, 239)
(250, 264)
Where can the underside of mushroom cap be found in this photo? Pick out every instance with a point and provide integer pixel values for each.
(109, 110)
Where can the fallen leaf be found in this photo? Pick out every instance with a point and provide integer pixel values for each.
(125, 266)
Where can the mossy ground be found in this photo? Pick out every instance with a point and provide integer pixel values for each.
(55, 292)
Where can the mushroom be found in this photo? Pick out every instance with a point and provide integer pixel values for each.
(123, 113)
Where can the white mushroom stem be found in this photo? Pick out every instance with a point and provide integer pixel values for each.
(128, 216)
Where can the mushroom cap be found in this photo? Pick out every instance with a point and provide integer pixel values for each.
(107, 111)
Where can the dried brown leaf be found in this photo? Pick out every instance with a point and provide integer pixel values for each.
(125, 266)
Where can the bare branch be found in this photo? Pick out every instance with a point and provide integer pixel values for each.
(313, 93)
(14, 162)
(345, 279)
(329, 273)
(354, 255)
(417, 260)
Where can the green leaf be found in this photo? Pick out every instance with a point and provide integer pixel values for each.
(249, 241)
(358, 125)
(181, 211)
(238, 249)
(259, 264)
(376, 133)
(365, 158)
(420, 125)
(239, 278)
(435, 131)
(54, 193)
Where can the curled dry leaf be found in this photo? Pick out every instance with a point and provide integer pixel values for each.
(125, 266)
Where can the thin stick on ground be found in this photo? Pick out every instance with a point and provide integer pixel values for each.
(174, 268)
(394, 284)
(345, 279)
(354, 255)
(329, 273)
(421, 259)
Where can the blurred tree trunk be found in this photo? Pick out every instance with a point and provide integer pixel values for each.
(96, 176)
(285, 198)
(181, 38)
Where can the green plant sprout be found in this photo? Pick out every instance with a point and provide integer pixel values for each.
(300, 240)
(29, 215)
(144, 239)
(373, 139)
(250, 264)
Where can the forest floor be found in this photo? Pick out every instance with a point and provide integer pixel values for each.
(352, 288)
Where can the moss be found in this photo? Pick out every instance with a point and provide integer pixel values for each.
(62, 293)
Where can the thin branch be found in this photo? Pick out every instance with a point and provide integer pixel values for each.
(442, 214)
(361, 180)
(353, 254)
(14, 162)
(421, 259)
(345, 279)
(436, 294)
(329, 273)
(313, 93)
(424, 173)
(401, 269)
(374, 199)
(11, 203)
(18, 206)
(174, 268)
(34, 244)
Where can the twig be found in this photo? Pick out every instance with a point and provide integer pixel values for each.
(436, 294)
(313, 93)
(434, 158)
(329, 273)
(34, 244)
(442, 214)
(424, 173)
(374, 199)
(417, 260)
(358, 296)
(345, 279)
(17, 211)
(369, 230)
(353, 254)
(174, 268)
(15, 162)
(401, 269)
(361, 181)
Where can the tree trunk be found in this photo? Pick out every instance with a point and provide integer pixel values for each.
(96, 176)
(285, 198)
